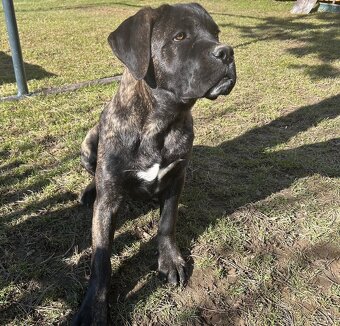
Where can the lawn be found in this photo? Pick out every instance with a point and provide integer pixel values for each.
(260, 212)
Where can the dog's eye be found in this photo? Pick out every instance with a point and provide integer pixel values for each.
(180, 36)
(217, 34)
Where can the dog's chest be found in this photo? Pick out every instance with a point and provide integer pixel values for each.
(154, 179)
(160, 160)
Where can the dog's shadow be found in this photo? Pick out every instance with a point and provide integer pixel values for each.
(222, 179)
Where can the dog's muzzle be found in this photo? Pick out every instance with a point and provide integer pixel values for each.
(224, 54)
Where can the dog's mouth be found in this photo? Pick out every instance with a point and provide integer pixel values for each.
(223, 87)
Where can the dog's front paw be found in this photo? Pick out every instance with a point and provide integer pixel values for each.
(93, 311)
(87, 317)
(170, 262)
(83, 318)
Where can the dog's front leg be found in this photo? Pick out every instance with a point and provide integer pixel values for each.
(94, 309)
(170, 261)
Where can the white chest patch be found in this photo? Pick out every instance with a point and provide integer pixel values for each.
(150, 174)
(155, 172)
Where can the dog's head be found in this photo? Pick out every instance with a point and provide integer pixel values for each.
(176, 48)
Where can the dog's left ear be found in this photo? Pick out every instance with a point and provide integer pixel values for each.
(131, 42)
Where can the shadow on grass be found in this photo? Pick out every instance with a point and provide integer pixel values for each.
(37, 253)
(7, 72)
(324, 44)
(10, 176)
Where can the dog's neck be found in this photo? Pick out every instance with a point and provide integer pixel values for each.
(162, 106)
(158, 97)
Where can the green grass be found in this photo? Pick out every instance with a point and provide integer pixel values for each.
(259, 216)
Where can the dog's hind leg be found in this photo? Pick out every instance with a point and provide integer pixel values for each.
(89, 149)
(88, 196)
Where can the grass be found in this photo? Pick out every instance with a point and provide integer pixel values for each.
(259, 216)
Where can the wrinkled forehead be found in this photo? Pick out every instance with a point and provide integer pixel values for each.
(184, 16)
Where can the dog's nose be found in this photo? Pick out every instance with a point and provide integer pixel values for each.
(224, 53)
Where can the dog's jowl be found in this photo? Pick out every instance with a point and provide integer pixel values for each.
(142, 143)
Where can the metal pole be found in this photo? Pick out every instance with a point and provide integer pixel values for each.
(14, 42)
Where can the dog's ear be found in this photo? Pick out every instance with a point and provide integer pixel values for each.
(131, 42)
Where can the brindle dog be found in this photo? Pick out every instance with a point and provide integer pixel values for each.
(143, 141)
